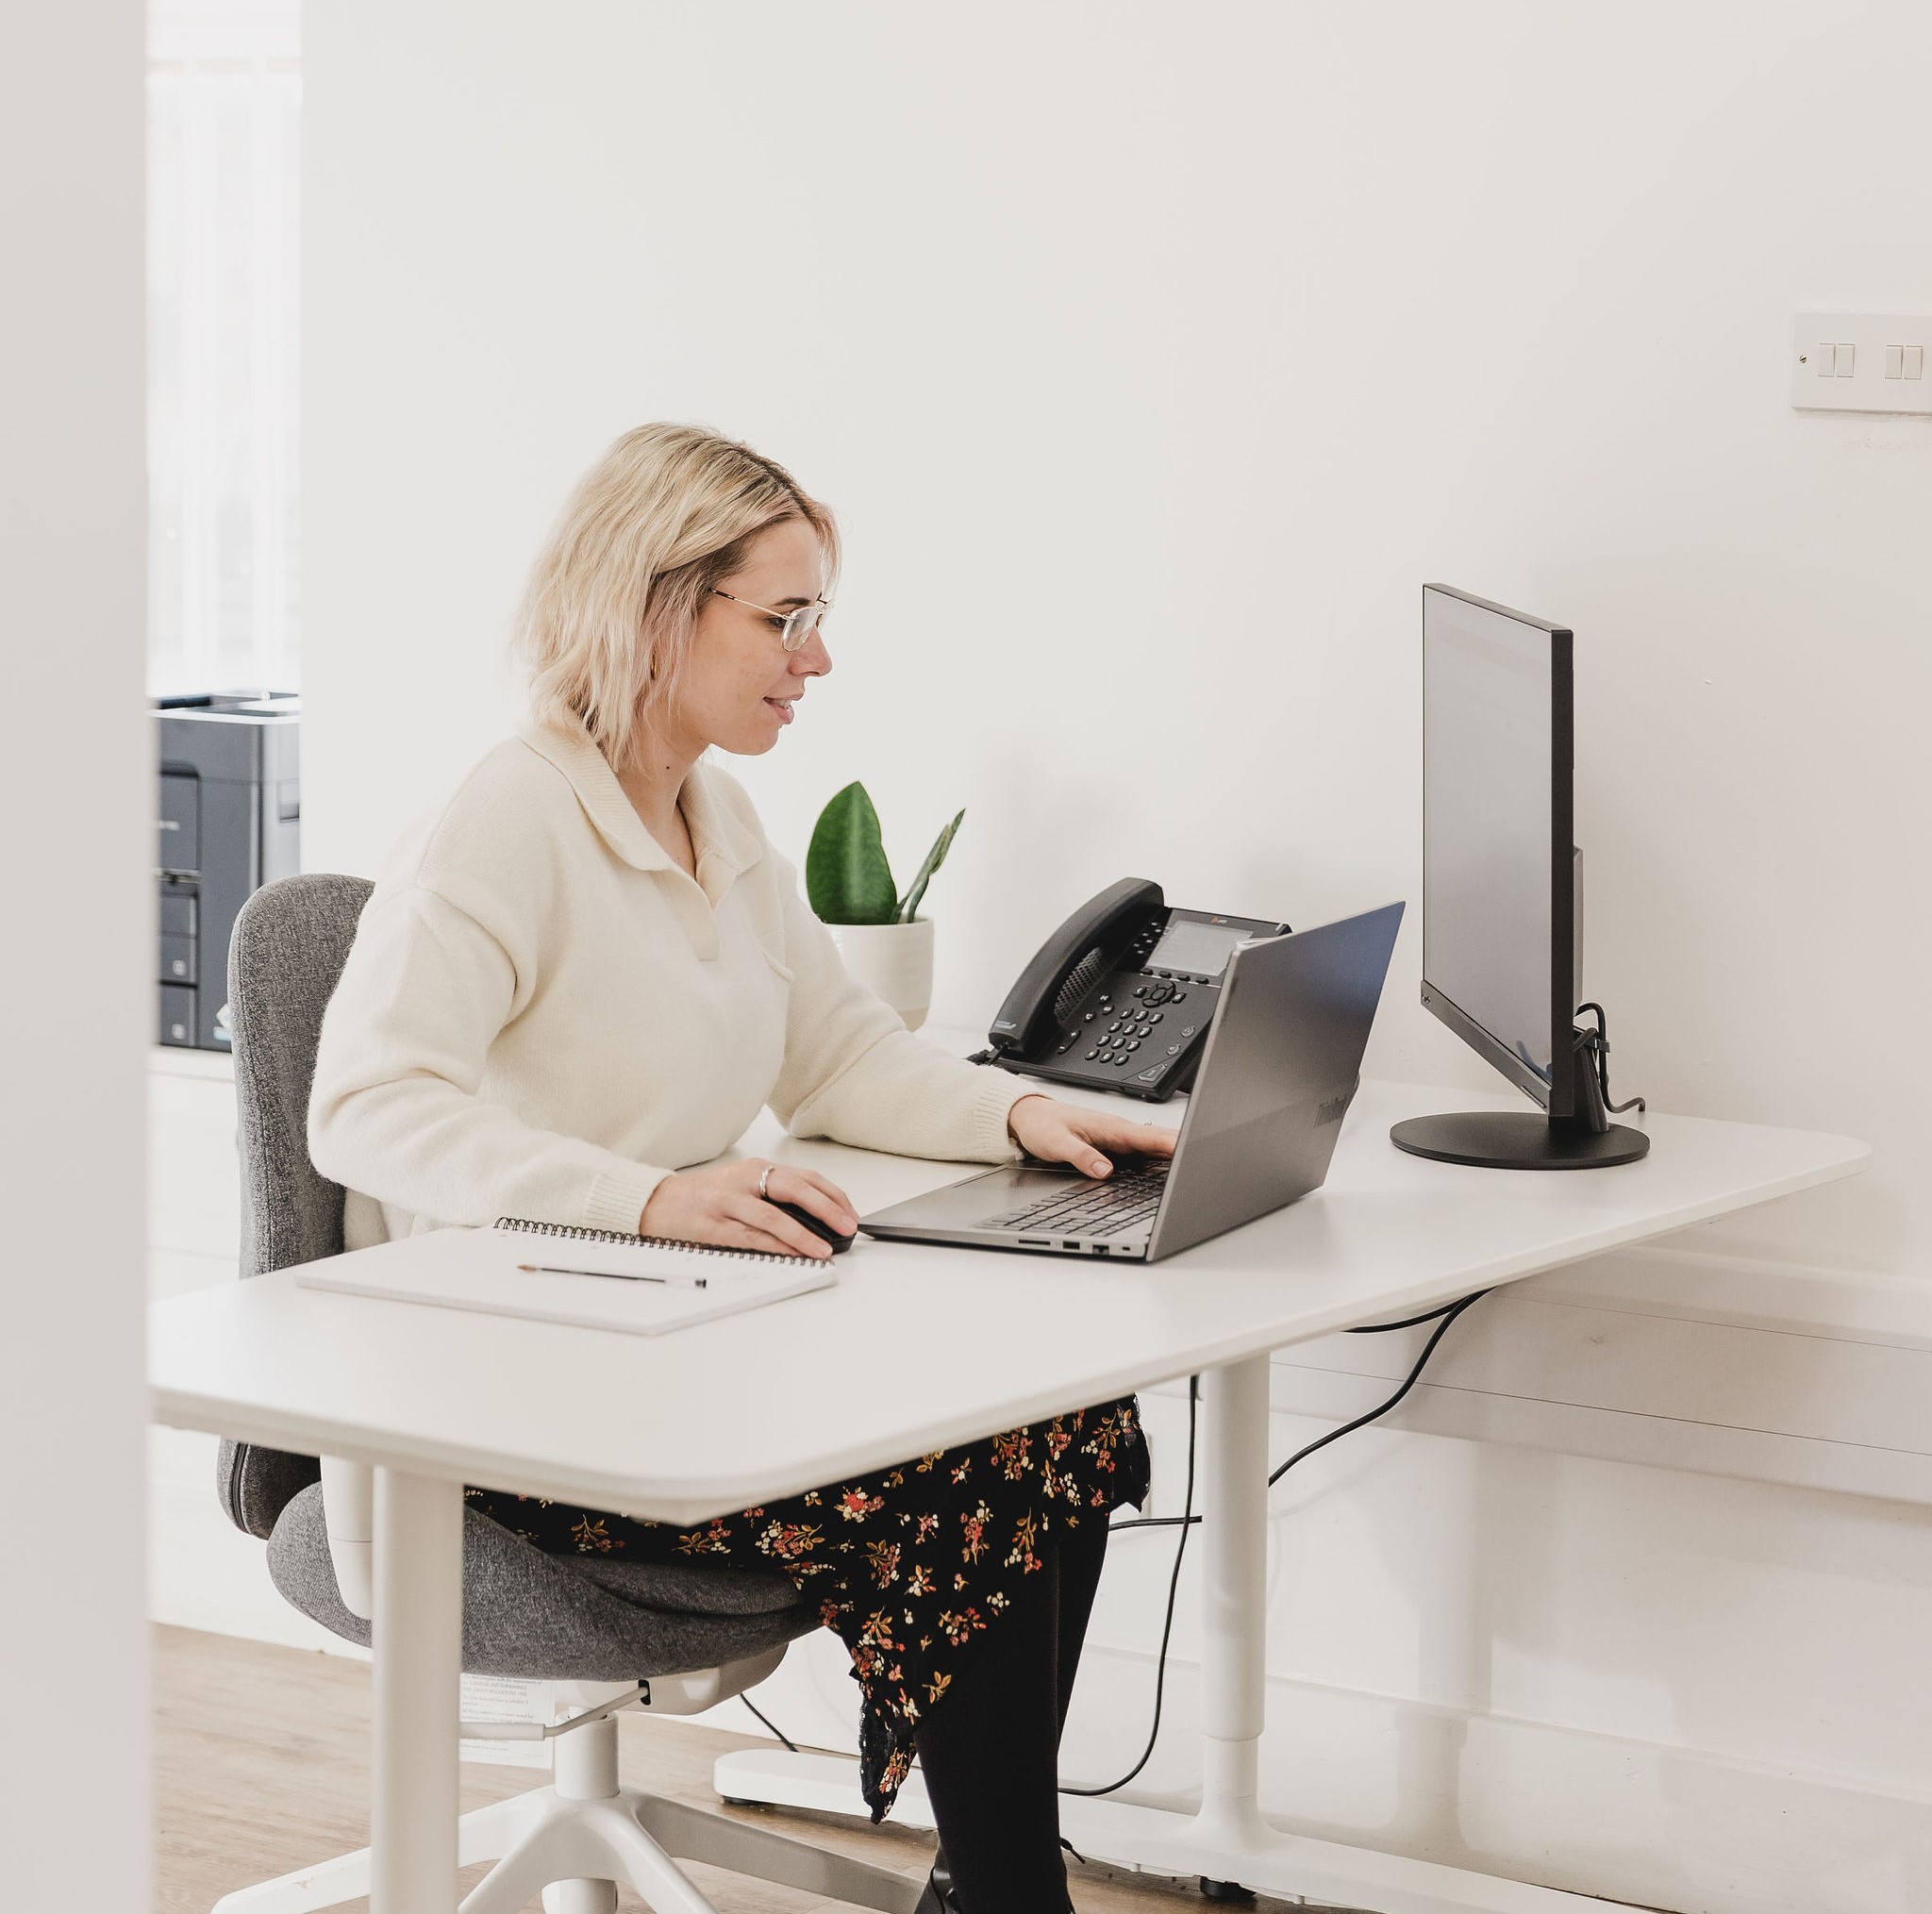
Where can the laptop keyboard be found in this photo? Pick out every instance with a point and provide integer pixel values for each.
(1106, 1208)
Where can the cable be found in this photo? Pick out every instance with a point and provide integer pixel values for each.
(789, 1746)
(1445, 1315)
(1600, 1048)
(1408, 1382)
(1407, 1323)
(1186, 1521)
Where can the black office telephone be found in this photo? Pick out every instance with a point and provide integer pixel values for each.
(1121, 996)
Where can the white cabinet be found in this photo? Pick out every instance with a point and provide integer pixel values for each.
(195, 1210)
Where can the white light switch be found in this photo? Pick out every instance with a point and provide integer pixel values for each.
(1876, 362)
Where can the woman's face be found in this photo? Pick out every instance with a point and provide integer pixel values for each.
(743, 685)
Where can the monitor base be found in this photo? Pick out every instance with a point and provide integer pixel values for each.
(1518, 1140)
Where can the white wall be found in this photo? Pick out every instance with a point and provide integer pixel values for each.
(1153, 359)
(1152, 365)
(77, 787)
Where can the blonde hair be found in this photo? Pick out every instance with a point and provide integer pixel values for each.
(610, 612)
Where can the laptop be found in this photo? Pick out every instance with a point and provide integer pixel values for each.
(1284, 1055)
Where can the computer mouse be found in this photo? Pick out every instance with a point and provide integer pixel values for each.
(817, 1224)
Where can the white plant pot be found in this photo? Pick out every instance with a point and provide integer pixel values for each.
(893, 960)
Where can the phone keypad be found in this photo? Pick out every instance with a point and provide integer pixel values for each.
(1121, 1034)
(1110, 1030)
(1106, 1034)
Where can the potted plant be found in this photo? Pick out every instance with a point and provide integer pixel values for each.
(884, 941)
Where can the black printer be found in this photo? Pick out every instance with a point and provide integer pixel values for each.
(231, 820)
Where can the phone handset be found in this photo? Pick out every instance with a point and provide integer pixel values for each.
(1068, 964)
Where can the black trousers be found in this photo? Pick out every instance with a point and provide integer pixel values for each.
(991, 1757)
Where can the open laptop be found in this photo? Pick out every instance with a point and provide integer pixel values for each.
(1284, 1054)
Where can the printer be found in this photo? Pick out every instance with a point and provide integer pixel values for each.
(231, 820)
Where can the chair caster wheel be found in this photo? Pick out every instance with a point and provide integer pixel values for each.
(1232, 1892)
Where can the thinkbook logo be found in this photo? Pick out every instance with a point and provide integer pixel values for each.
(1331, 1112)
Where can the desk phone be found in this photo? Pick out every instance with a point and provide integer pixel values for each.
(1121, 996)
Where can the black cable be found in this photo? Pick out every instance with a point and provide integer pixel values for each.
(1407, 1323)
(1445, 1315)
(789, 1746)
(1449, 1316)
(1186, 1521)
(1600, 1047)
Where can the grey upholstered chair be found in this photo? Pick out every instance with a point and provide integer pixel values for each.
(677, 1638)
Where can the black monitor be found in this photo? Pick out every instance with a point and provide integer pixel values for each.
(1500, 918)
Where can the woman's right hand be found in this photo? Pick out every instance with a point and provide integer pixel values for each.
(721, 1204)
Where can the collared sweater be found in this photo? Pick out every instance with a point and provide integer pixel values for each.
(543, 1015)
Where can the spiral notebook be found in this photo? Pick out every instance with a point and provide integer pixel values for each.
(588, 1278)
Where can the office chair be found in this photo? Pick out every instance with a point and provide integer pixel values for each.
(673, 1638)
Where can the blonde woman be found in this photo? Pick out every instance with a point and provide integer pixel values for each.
(580, 982)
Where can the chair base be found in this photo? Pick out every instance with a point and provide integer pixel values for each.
(574, 1851)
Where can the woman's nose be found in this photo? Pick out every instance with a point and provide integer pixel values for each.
(811, 659)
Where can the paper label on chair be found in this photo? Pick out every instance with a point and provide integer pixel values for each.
(506, 1698)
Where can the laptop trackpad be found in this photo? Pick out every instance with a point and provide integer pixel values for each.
(982, 1200)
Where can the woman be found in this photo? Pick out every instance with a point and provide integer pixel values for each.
(591, 970)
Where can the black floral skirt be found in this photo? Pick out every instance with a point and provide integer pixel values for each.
(911, 1566)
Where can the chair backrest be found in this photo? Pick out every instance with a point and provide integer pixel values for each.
(290, 942)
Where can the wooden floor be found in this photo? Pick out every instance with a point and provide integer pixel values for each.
(261, 1764)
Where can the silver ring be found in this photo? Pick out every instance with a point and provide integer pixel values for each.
(764, 1178)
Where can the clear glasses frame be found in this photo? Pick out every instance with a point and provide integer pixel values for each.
(795, 627)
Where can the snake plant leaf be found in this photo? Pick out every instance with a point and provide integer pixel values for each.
(909, 905)
(846, 875)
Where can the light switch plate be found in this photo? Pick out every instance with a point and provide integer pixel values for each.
(1820, 382)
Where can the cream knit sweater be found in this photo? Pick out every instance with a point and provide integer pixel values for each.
(543, 1015)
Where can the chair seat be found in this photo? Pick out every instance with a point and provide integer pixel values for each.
(562, 1618)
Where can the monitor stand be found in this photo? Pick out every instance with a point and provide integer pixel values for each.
(1526, 1139)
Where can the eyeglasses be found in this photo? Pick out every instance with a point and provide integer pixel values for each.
(795, 627)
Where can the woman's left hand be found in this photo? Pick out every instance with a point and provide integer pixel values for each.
(1059, 1132)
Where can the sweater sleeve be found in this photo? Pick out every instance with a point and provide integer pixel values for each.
(854, 1074)
(395, 1113)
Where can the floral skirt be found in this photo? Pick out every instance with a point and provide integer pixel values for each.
(910, 1566)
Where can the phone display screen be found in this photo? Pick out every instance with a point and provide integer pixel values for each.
(1200, 949)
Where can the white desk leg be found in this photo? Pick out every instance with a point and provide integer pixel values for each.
(418, 1641)
(1234, 1596)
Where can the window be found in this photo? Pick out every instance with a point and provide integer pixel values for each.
(223, 111)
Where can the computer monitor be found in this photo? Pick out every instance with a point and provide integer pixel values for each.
(1500, 907)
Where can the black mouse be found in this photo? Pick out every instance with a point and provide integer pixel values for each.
(817, 1224)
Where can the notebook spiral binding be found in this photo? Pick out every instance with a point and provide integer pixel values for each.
(523, 1225)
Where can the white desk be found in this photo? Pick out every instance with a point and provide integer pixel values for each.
(916, 1347)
